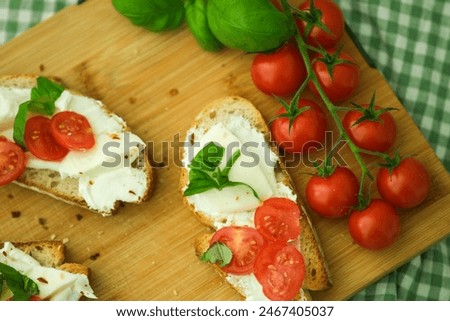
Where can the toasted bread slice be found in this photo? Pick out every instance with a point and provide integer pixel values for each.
(50, 254)
(220, 111)
(50, 182)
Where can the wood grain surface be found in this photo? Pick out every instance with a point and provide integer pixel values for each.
(158, 83)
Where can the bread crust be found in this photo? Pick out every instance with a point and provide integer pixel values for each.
(317, 273)
(50, 182)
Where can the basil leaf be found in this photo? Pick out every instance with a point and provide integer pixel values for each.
(250, 25)
(205, 173)
(19, 124)
(20, 285)
(43, 97)
(154, 15)
(217, 252)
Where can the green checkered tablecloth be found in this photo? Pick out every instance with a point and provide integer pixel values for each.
(409, 41)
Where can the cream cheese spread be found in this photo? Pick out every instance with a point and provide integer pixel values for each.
(54, 284)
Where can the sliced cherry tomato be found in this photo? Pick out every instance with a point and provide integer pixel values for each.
(406, 185)
(12, 162)
(280, 72)
(40, 142)
(330, 15)
(334, 195)
(375, 227)
(244, 242)
(375, 133)
(277, 219)
(341, 83)
(3, 138)
(280, 269)
(72, 131)
(307, 131)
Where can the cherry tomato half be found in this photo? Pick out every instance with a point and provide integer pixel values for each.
(244, 242)
(280, 72)
(40, 142)
(277, 219)
(375, 227)
(12, 161)
(280, 269)
(307, 131)
(334, 195)
(406, 186)
(331, 17)
(72, 130)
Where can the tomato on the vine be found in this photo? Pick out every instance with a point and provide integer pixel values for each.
(333, 195)
(337, 73)
(12, 161)
(301, 128)
(406, 185)
(376, 227)
(280, 269)
(277, 219)
(40, 141)
(372, 127)
(280, 72)
(244, 242)
(325, 14)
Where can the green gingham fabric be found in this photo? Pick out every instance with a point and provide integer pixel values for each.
(409, 42)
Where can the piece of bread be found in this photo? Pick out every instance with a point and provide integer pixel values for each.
(317, 273)
(50, 182)
(51, 254)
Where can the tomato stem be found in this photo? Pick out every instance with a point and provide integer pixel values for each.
(330, 106)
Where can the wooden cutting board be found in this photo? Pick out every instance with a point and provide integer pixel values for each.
(158, 83)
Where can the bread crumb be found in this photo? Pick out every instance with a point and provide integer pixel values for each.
(71, 226)
(10, 196)
(175, 292)
(16, 214)
(94, 256)
(132, 100)
(173, 92)
(65, 240)
(79, 217)
(53, 236)
(41, 67)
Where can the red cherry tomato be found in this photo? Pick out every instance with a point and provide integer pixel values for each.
(405, 186)
(244, 242)
(12, 162)
(72, 131)
(280, 72)
(280, 269)
(277, 219)
(40, 142)
(331, 17)
(343, 80)
(308, 129)
(333, 196)
(375, 135)
(375, 227)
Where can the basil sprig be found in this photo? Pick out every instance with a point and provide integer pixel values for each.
(217, 253)
(205, 173)
(42, 101)
(20, 285)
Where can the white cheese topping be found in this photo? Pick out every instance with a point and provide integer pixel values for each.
(54, 284)
(255, 167)
(104, 172)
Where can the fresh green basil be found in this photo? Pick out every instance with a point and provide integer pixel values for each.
(20, 285)
(205, 173)
(217, 252)
(250, 25)
(198, 24)
(43, 97)
(154, 15)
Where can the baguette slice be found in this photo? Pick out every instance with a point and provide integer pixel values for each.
(50, 182)
(50, 254)
(221, 111)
